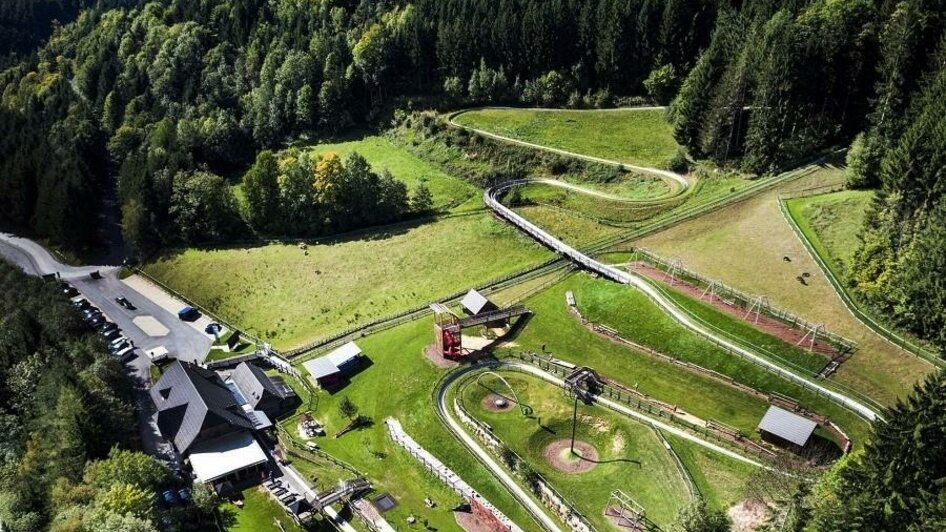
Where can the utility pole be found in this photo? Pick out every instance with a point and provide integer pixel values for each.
(574, 424)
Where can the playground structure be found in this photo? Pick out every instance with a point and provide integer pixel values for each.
(448, 327)
(582, 383)
(524, 408)
(625, 513)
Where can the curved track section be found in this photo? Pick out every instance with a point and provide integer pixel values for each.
(490, 197)
(680, 180)
(497, 470)
(453, 425)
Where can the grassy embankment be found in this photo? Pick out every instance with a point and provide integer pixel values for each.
(637, 319)
(639, 137)
(832, 223)
(745, 245)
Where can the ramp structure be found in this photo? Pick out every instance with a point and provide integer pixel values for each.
(448, 340)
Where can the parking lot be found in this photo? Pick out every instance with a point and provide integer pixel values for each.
(151, 323)
(148, 325)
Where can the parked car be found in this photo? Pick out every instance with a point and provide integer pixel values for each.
(185, 495)
(90, 310)
(121, 346)
(188, 314)
(125, 353)
(213, 328)
(68, 290)
(95, 321)
(123, 301)
(108, 336)
(118, 341)
(108, 327)
(170, 497)
(81, 304)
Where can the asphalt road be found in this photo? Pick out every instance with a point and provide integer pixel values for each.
(182, 340)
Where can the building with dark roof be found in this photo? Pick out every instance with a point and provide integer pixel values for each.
(208, 425)
(262, 392)
(194, 404)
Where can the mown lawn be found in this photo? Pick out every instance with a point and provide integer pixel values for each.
(641, 137)
(400, 383)
(259, 512)
(636, 318)
(632, 457)
(290, 296)
(447, 191)
(832, 223)
(561, 335)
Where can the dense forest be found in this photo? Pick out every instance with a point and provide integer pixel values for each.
(67, 422)
(167, 102)
(897, 483)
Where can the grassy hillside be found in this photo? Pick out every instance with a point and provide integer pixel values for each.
(745, 246)
(638, 319)
(291, 296)
(832, 223)
(640, 137)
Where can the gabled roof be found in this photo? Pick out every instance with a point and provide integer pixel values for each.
(344, 354)
(255, 384)
(329, 364)
(191, 399)
(787, 425)
(475, 302)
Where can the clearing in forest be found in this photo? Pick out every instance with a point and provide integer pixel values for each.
(634, 136)
(447, 191)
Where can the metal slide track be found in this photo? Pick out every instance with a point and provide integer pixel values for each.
(664, 303)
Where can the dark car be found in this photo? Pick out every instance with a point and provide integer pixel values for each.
(108, 336)
(185, 495)
(90, 311)
(169, 497)
(188, 314)
(70, 291)
(119, 347)
(123, 301)
(108, 327)
(213, 328)
(81, 304)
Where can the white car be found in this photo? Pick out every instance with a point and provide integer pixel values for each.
(125, 353)
(119, 341)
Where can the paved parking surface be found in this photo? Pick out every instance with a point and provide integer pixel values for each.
(182, 339)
